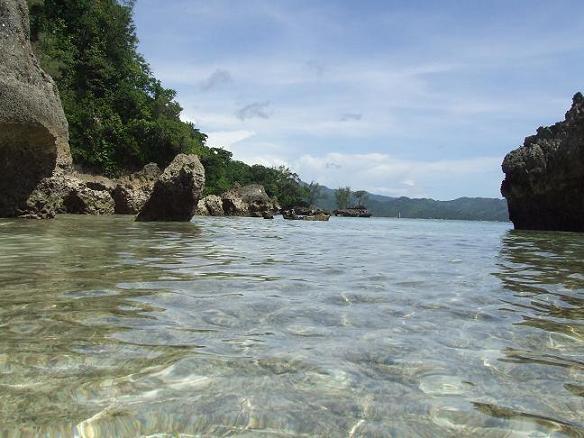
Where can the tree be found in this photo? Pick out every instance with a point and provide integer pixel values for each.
(343, 197)
(361, 197)
(314, 193)
(120, 116)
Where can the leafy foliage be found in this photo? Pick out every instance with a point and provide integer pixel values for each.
(120, 116)
(314, 193)
(343, 197)
(361, 197)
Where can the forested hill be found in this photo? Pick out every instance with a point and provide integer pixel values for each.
(120, 116)
(484, 209)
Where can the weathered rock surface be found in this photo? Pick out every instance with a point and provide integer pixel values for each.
(258, 201)
(33, 127)
(84, 200)
(66, 193)
(233, 204)
(132, 192)
(353, 212)
(250, 200)
(176, 192)
(544, 178)
(306, 214)
(211, 205)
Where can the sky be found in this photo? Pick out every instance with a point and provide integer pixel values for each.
(417, 98)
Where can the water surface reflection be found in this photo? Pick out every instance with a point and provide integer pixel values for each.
(240, 326)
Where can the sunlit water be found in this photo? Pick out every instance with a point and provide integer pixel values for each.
(236, 326)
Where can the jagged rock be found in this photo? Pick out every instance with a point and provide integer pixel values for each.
(353, 212)
(306, 214)
(233, 204)
(210, 206)
(250, 200)
(257, 199)
(176, 192)
(49, 195)
(33, 129)
(66, 193)
(544, 178)
(97, 182)
(132, 192)
(87, 201)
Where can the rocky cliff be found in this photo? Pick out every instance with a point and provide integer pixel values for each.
(544, 178)
(33, 127)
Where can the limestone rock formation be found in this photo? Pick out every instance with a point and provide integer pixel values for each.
(33, 129)
(132, 192)
(84, 200)
(211, 205)
(233, 204)
(66, 193)
(544, 178)
(250, 200)
(258, 201)
(176, 192)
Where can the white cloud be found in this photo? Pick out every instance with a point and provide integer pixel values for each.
(384, 174)
(226, 139)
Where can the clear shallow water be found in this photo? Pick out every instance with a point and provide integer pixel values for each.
(236, 326)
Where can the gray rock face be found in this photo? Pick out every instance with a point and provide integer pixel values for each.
(84, 200)
(250, 200)
(233, 204)
(33, 130)
(211, 205)
(63, 193)
(176, 192)
(544, 178)
(132, 192)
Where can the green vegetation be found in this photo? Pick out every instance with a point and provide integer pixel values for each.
(343, 197)
(313, 194)
(223, 173)
(481, 209)
(361, 197)
(120, 116)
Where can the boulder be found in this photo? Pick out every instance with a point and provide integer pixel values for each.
(233, 204)
(132, 192)
(34, 138)
(544, 177)
(84, 200)
(66, 193)
(250, 200)
(176, 192)
(48, 196)
(211, 205)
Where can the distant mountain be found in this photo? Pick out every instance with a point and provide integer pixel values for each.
(476, 209)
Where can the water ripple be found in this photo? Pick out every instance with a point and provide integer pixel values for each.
(236, 326)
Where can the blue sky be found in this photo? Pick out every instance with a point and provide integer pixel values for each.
(411, 97)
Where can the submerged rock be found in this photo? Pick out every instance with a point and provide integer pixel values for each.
(34, 137)
(544, 177)
(176, 192)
